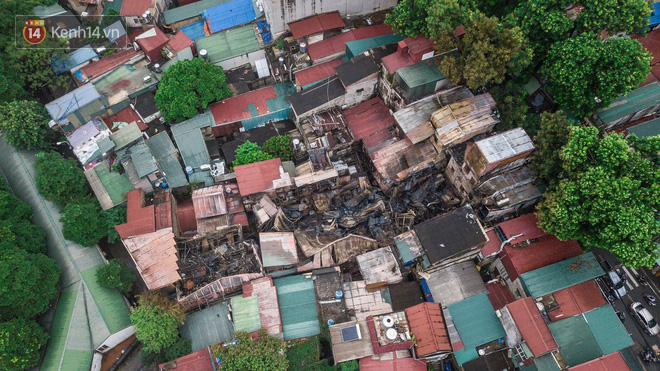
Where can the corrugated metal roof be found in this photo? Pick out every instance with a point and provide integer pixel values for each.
(505, 145)
(454, 283)
(526, 224)
(140, 219)
(561, 275)
(647, 129)
(379, 266)
(269, 311)
(397, 363)
(201, 360)
(166, 156)
(337, 43)
(127, 115)
(499, 295)
(193, 10)
(408, 246)
(193, 148)
(278, 249)
(576, 299)
(65, 62)
(245, 311)
(136, 7)
(357, 47)
(228, 15)
(126, 135)
(209, 201)
(317, 72)
(419, 74)
(611, 362)
(208, 326)
(180, 41)
(637, 100)
(185, 216)
(109, 63)
(548, 250)
(155, 255)
(608, 330)
(194, 31)
(116, 185)
(163, 210)
(45, 11)
(257, 177)
(493, 244)
(371, 122)
(315, 24)
(297, 300)
(428, 326)
(416, 114)
(142, 159)
(229, 44)
(72, 101)
(152, 45)
(531, 326)
(243, 106)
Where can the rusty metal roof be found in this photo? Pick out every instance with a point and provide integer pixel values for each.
(209, 201)
(371, 122)
(317, 72)
(611, 362)
(155, 257)
(185, 216)
(278, 249)
(526, 224)
(258, 177)
(576, 299)
(532, 327)
(315, 24)
(548, 250)
(139, 219)
(269, 310)
(428, 326)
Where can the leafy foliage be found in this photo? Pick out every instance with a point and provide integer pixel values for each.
(609, 196)
(20, 341)
(409, 17)
(552, 137)
(156, 320)
(248, 354)
(116, 275)
(188, 86)
(23, 235)
(279, 147)
(304, 355)
(349, 366)
(24, 124)
(586, 73)
(27, 284)
(58, 179)
(113, 217)
(248, 153)
(544, 22)
(13, 209)
(181, 348)
(614, 15)
(82, 223)
(513, 110)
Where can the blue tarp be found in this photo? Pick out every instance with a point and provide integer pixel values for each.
(64, 62)
(654, 19)
(228, 15)
(194, 31)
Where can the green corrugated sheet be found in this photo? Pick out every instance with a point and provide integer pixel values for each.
(208, 326)
(113, 77)
(76, 359)
(281, 102)
(297, 301)
(142, 159)
(420, 74)
(637, 100)
(114, 5)
(357, 47)
(576, 342)
(166, 156)
(545, 362)
(182, 13)
(465, 355)
(561, 275)
(60, 329)
(193, 148)
(117, 185)
(200, 121)
(646, 129)
(608, 329)
(631, 360)
(110, 302)
(246, 313)
(126, 135)
(228, 44)
(201, 177)
(44, 11)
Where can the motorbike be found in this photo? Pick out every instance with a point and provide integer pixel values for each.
(650, 300)
(642, 280)
(646, 356)
(621, 315)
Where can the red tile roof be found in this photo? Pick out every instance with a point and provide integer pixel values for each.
(199, 361)
(428, 326)
(532, 327)
(499, 295)
(371, 122)
(378, 349)
(548, 250)
(151, 46)
(109, 63)
(394, 364)
(611, 362)
(163, 210)
(136, 7)
(526, 224)
(139, 219)
(185, 216)
(575, 300)
(493, 245)
(128, 115)
(337, 43)
(180, 41)
(236, 108)
(257, 177)
(317, 72)
(316, 23)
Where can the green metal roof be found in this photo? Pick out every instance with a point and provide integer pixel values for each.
(197, 122)
(189, 11)
(111, 304)
(561, 275)
(608, 329)
(201, 177)
(166, 156)
(297, 301)
(358, 47)
(208, 326)
(45, 11)
(228, 44)
(142, 159)
(419, 74)
(246, 313)
(545, 362)
(637, 100)
(126, 135)
(115, 184)
(646, 129)
(114, 5)
(476, 323)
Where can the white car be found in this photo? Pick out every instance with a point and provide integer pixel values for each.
(644, 317)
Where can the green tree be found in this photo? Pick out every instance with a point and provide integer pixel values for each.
(58, 179)
(512, 108)
(279, 147)
(409, 17)
(13, 208)
(586, 73)
(544, 22)
(188, 86)
(248, 354)
(551, 138)
(614, 16)
(248, 153)
(609, 196)
(20, 341)
(156, 320)
(23, 235)
(116, 275)
(181, 348)
(24, 124)
(113, 217)
(27, 284)
(82, 223)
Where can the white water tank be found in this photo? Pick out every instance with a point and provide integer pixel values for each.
(388, 321)
(391, 334)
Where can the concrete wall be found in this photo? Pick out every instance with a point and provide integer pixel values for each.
(280, 12)
(361, 91)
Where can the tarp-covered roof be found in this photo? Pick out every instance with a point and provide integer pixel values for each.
(72, 101)
(228, 15)
(192, 10)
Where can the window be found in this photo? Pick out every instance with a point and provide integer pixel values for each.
(359, 91)
(351, 333)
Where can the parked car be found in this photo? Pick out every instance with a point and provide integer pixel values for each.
(644, 317)
(616, 284)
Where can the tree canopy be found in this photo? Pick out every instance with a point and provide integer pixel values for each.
(83, 222)
(20, 341)
(586, 73)
(250, 152)
(614, 16)
(21, 234)
(58, 179)
(116, 275)
(279, 147)
(248, 354)
(24, 124)
(113, 217)
(156, 320)
(551, 138)
(189, 86)
(609, 196)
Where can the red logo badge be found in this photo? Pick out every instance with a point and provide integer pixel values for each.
(34, 31)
